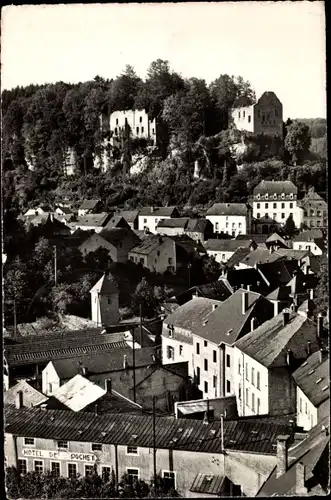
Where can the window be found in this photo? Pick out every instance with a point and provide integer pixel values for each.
(228, 361)
(228, 386)
(233, 224)
(140, 119)
(39, 466)
(312, 223)
(22, 466)
(96, 447)
(88, 470)
(258, 205)
(142, 130)
(133, 475)
(258, 196)
(197, 348)
(105, 473)
(170, 260)
(239, 367)
(29, 442)
(319, 213)
(72, 470)
(62, 444)
(170, 352)
(145, 221)
(214, 356)
(238, 114)
(153, 131)
(169, 480)
(307, 247)
(258, 403)
(206, 365)
(306, 408)
(158, 253)
(115, 130)
(246, 370)
(274, 216)
(249, 118)
(239, 224)
(318, 223)
(283, 205)
(116, 121)
(141, 260)
(252, 381)
(50, 388)
(132, 450)
(253, 402)
(205, 343)
(283, 215)
(243, 114)
(109, 300)
(291, 205)
(137, 130)
(291, 196)
(198, 375)
(206, 386)
(223, 256)
(55, 469)
(180, 350)
(266, 215)
(291, 214)
(247, 402)
(239, 391)
(266, 205)
(274, 205)
(214, 381)
(216, 225)
(258, 216)
(300, 247)
(258, 380)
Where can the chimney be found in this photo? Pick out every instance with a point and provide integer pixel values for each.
(271, 249)
(152, 210)
(215, 306)
(125, 362)
(108, 385)
(300, 474)
(286, 317)
(84, 371)
(319, 326)
(248, 288)
(309, 348)
(311, 294)
(306, 269)
(253, 324)
(323, 355)
(244, 302)
(276, 307)
(289, 357)
(282, 454)
(19, 400)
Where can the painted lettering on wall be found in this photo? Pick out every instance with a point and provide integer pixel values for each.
(59, 455)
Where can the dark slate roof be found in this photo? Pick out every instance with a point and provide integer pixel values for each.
(258, 238)
(129, 215)
(247, 277)
(275, 187)
(114, 402)
(279, 272)
(158, 211)
(197, 225)
(31, 396)
(289, 253)
(310, 235)
(313, 196)
(260, 256)
(149, 244)
(116, 221)
(237, 257)
(312, 452)
(187, 245)
(268, 344)
(116, 235)
(301, 283)
(228, 209)
(92, 220)
(216, 290)
(137, 430)
(180, 222)
(226, 322)
(191, 315)
(89, 204)
(313, 378)
(273, 238)
(75, 239)
(280, 293)
(226, 245)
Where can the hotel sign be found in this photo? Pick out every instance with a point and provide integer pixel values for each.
(59, 455)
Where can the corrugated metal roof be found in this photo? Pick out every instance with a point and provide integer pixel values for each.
(136, 430)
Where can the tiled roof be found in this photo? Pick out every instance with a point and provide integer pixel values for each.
(258, 238)
(180, 222)
(247, 277)
(310, 235)
(216, 290)
(191, 315)
(226, 245)
(278, 187)
(129, 215)
(30, 395)
(269, 343)
(116, 235)
(313, 378)
(197, 225)
(301, 283)
(105, 286)
(158, 211)
(136, 430)
(92, 220)
(78, 393)
(279, 272)
(226, 322)
(116, 222)
(237, 257)
(149, 244)
(228, 209)
(113, 402)
(312, 452)
(88, 204)
(276, 237)
(280, 293)
(313, 196)
(260, 256)
(289, 253)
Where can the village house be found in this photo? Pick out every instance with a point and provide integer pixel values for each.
(273, 202)
(137, 120)
(92, 222)
(275, 241)
(197, 229)
(116, 221)
(263, 117)
(40, 210)
(131, 217)
(302, 467)
(222, 250)
(312, 380)
(29, 395)
(203, 331)
(264, 360)
(149, 217)
(312, 240)
(88, 207)
(118, 242)
(230, 218)
(315, 210)
(188, 455)
(156, 253)
(172, 227)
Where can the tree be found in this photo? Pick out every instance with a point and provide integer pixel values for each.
(322, 290)
(289, 226)
(297, 141)
(211, 268)
(144, 294)
(123, 91)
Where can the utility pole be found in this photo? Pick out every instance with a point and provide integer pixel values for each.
(189, 265)
(141, 323)
(222, 432)
(154, 448)
(134, 366)
(15, 319)
(55, 265)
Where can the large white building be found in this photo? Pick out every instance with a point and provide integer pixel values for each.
(149, 217)
(273, 203)
(230, 218)
(138, 121)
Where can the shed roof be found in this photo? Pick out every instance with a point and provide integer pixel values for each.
(197, 225)
(237, 257)
(228, 209)
(313, 378)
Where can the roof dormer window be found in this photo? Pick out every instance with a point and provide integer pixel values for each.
(275, 196)
(266, 196)
(283, 196)
(291, 196)
(257, 196)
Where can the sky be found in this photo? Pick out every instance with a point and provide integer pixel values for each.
(277, 46)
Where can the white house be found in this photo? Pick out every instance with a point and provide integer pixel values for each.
(104, 302)
(312, 381)
(312, 240)
(149, 217)
(230, 218)
(156, 253)
(275, 201)
(138, 121)
(91, 222)
(222, 249)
